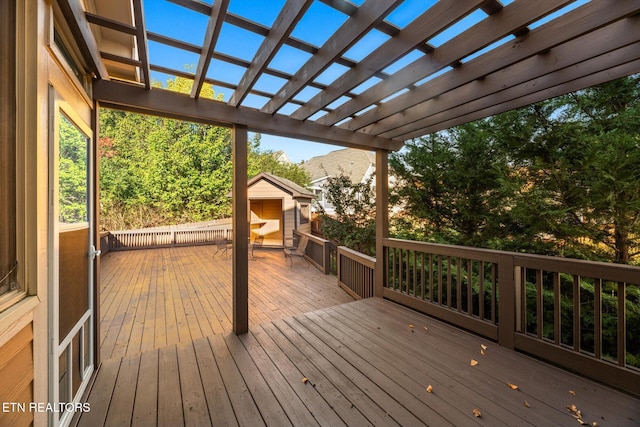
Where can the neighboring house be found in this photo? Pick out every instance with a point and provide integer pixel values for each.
(358, 165)
(277, 206)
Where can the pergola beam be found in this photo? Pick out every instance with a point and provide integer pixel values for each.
(574, 24)
(175, 105)
(510, 19)
(141, 37)
(368, 15)
(563, 63)
(218, 11)
(286, 21)
(431, 22)
(77, 20)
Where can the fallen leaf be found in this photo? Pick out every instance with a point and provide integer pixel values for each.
(575, 411)
(411, 326)
(572, 392)
(305, 380)
(484, 347)
(476, 412)
(582, 422)
(429, 389)
(482, 352)
(426, 329)
(474, 362)
(513, 386)
(594, 424)
(526, 404)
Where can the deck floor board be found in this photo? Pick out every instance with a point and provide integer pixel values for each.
(352, 363)
(356, 374)
(158, 297)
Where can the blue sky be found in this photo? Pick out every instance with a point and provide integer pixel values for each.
(315, 27)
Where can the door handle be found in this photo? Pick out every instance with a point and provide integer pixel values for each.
(93, 252)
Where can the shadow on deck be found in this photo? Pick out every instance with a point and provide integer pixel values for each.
(157, 297)
(363, 363)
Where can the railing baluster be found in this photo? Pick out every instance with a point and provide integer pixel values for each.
(622, 321)
(470, 287)
(597, 319)
(557, 309)
(481, 290)
(576, 312)
(539, 304)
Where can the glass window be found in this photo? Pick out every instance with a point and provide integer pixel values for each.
(9, 284)
(304, 213)
(72, 173)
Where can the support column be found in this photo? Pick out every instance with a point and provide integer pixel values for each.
(382, 216)
(240, 259)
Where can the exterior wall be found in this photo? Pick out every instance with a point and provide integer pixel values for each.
(16, 377)
(24, 366)
(24, 325)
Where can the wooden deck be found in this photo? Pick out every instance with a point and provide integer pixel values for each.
(363, 363)
(158, 297)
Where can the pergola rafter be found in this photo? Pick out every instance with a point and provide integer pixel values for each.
(440, 87)
(511, 19)
(583, 20)
(346, 36)
(285, 23)
(613, 45)
(218, 11)
(418, 32)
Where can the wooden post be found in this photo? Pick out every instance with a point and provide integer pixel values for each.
(382, 217)
(240, 259)
(506, 301)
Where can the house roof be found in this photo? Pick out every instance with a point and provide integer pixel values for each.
(397, 81)
(296, 191)
(349, 162)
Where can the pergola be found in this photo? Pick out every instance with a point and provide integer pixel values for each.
(373, 84)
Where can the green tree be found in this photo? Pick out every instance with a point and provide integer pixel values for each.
(576, 170)
(561, 177)
(158, 171)
(260, 160)
(353, 222)
(450, 184)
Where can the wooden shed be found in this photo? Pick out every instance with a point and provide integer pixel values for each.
(277, 206)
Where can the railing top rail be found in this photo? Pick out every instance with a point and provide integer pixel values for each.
(358, 256)
(177, 230)
(591, 269)
(447, 250)
(311, 237)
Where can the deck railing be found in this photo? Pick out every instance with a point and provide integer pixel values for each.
(320, 252)
(356, 272)
(137, 239)
(584, 316)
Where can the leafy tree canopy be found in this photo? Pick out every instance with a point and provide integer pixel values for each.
(158, 171)
(559, 177)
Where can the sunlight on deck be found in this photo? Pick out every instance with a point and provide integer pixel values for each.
(158, 297)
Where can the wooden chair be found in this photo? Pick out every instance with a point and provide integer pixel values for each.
(222, 245)
(297, 252)
(257, 241)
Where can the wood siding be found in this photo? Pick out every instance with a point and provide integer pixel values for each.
(263, 190)
(16, 378)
